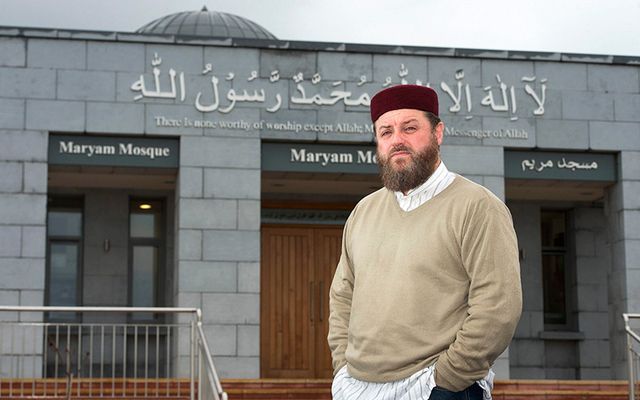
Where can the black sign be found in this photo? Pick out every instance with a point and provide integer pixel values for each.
(113, 151)
(319, 158)
(560, 166)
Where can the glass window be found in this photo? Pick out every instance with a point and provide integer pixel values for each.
(64, 255)
(555, 311)
(63, 270)
(553, 229)
(144, 272)
(144, 219)
(143, 225)
(64, 223)
(554, 267)
(146, 249)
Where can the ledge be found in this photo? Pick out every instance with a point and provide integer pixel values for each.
(78, 34)
(561, 335)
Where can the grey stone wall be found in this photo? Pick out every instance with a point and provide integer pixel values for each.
(23, 188)
(80, 85)
(564, 355)
(23, 194)
(527, 350)
(593, 260)
(218, 269)
(623, 213)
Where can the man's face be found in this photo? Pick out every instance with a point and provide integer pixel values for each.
(408, 148)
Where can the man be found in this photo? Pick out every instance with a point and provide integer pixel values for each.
(427, 291)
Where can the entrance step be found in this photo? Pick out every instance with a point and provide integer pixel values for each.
(272, 389)
(277, 388)
(87, 388)
(254, 389)
(560, 390)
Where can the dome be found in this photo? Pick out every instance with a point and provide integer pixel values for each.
(205, 23)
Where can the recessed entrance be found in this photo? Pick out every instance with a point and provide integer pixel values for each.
(120, 250)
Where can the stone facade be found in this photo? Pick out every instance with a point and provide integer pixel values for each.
(82, 83)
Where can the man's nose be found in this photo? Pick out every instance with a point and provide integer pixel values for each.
(397, 138)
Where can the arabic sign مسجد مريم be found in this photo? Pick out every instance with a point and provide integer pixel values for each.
(598, 167)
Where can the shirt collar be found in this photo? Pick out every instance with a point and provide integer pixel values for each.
(438, 175)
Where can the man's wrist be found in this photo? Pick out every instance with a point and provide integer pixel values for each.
(442, 382)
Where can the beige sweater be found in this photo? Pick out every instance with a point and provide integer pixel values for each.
(439, 284)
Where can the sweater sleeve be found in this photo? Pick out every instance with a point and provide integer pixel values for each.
(489, 251)
(340, 296)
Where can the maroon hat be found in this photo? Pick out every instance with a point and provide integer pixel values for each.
(404, 96)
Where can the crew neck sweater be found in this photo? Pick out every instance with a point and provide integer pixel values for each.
(438, 284)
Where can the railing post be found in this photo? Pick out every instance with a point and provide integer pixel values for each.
(200, 369)
(632, 385)
(193, 359)
(631, 354)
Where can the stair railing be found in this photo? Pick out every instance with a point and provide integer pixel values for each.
(633, 355)
(105, 351)
(209, 388)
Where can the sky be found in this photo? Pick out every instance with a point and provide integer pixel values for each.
(606, 27)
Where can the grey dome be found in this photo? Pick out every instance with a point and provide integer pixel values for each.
(205, 23)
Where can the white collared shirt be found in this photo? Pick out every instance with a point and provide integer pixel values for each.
(437, 182)
(416, 387)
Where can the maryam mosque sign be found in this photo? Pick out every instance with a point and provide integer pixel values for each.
(214, 93)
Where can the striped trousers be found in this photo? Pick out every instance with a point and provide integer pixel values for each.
(416, 387)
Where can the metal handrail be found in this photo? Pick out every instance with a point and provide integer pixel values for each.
(157, 310)
(212, 375)
(631, 336)
(199, 343)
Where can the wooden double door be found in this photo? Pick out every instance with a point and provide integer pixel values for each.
(297, 266)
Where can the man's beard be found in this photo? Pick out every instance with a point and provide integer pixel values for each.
(414, 173)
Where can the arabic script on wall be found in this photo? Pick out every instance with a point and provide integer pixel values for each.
(503, 98)
(541, 165)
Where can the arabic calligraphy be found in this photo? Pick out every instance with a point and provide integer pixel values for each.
(488, 100)
(335, 97)
(139, 85)
(539, 166)
(538, 99)
(224, 90)
(457, 97)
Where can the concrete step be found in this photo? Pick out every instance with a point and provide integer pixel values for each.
(87, 388)
(271, 389)
(244, 389)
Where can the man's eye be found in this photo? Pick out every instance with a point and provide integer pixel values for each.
(410, 128)
(385, 133)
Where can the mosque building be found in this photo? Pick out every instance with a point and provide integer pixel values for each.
(203, 162)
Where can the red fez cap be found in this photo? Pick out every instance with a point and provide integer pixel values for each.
(404, 96)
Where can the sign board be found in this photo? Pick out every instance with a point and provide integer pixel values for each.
(297, 157)
(113, 151)
(597, 167)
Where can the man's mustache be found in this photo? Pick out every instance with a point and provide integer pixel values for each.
(398, 148)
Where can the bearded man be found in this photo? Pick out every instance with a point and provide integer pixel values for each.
(427, 291)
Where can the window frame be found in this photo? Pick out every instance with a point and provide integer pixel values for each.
(159, 242)
(567, 251)
(65, 203)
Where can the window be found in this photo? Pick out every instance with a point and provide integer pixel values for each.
(146, 252)
(554, 268)
(64, 254)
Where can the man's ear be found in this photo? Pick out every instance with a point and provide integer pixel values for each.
(439, 132)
